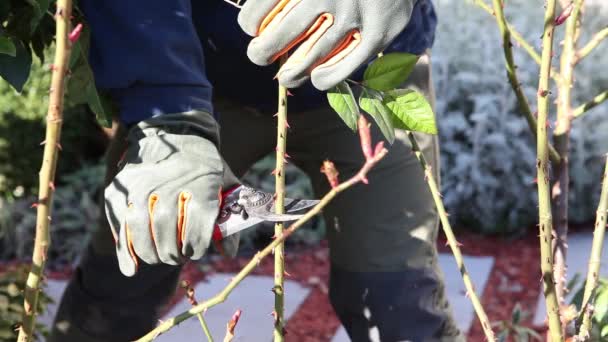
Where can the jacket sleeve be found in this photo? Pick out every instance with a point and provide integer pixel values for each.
(147, 55)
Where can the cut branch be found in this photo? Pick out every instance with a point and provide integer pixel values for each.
(595, 258)
(543, 177)
(592, 44)
(47, 172)
(598, 99)
(279, 260)
(449, 233)
(524, 105)
(361, 176)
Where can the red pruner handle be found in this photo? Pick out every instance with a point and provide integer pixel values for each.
(217, 234)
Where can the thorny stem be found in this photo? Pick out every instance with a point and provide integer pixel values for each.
(543, 176)
(253, 263)
(520, 40)
(512, 74)
(561, 139)
(598, 99)
(592, 44)
(449, 233)
(47, 172)
(279, 251)
(595, 257)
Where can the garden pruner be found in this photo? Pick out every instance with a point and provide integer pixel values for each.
(243, 207)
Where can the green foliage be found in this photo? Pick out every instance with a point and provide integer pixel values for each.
(28, 26)
(599, 302)
(22, 125)
(15, 69)
(411, 111)
(342, 100)
(372, 102)
(389, 71)
(12, 283)
(7, 47)
(514, 329)
(81, 86)
(389, 107)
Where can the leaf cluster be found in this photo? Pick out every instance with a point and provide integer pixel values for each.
(515, 329)
(27, 28)
(379, 96)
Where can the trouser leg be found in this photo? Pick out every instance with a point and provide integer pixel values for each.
(385, 282)
(100, 303)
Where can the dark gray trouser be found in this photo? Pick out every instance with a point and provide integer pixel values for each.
(385, 284)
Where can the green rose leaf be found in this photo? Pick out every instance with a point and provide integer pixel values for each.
(16, 69)
(389, 71)
(39, 7)
(7, 47)
(601, 302)
(81, 85)
(371, 102)
(411, 111)
(342, 100)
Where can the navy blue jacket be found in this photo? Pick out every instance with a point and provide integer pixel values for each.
(160, 56)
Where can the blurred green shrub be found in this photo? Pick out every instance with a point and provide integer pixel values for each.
(75, 215)
(11, 302)
(22, 127)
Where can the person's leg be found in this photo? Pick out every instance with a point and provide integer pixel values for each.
(385, 282)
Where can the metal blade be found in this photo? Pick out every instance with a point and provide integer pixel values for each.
(295, 205)
(244, 207)
(236, 223)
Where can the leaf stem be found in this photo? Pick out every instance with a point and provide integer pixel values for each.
(524, 105)
(543, 178)
(595, 257)
(449, 233)
(253, 263)
(47, 172)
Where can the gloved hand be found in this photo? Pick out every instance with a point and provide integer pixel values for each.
(333, 37)
(163, 203)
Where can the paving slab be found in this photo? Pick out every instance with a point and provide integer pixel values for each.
(479, 268)
(579, 247)
(253, 296)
